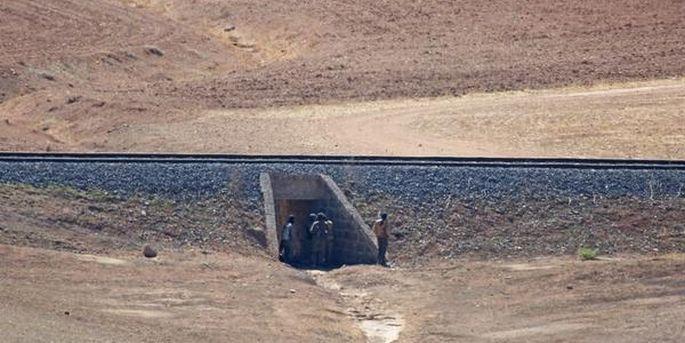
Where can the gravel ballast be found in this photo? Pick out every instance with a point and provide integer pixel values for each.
(437, 211)
(418, 183)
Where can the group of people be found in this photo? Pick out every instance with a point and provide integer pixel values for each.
(318, 246)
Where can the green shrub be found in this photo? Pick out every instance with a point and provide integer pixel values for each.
(587, 254)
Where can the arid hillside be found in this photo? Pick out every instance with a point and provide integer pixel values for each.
(105, 74)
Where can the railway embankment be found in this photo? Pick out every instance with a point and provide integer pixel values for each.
(439, 207)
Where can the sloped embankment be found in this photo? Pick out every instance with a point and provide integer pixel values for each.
(63, 218)
(437, 210)
(532, 227)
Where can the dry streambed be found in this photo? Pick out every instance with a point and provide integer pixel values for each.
(374, 317)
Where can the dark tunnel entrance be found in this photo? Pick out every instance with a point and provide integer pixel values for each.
(300, 195)
(300, 246)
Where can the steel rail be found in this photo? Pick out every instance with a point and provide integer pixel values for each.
(494, 162)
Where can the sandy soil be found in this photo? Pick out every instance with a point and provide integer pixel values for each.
(344, 76)
(637, 120)
(71, 269)
(121, 74)
(180, 296)
(185, 295)
(629, 299)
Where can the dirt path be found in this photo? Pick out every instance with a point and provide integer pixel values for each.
(372, 315)
(636, 120)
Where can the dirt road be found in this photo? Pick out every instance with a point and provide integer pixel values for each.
(638, 120)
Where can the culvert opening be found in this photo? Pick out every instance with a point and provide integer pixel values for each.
(350, 240)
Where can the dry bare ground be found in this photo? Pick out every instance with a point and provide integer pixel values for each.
(628, 299)
(496, 78)
(181, 296)
(150, 75)
(71, 270)
(75, 272)
(187, 296)
(638, 120)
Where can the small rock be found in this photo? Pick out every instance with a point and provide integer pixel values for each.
(66, 313)
(229, 28)
(73, 99)
(569, 287)
(47, 76)
(293, 291)
(149, 252)
(153, 50)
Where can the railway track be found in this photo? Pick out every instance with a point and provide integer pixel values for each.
(557, 163)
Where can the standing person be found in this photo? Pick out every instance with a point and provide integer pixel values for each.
(381, 229)
(328, 223)
(286, 239)
(307, 242)
(318, 232)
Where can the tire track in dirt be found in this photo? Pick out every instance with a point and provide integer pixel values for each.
(478, 125)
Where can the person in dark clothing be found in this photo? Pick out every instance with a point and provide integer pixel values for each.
(329, 240)
(318, 233)
(286, 240)
(381, 229)
(312, 218)
(307, 241)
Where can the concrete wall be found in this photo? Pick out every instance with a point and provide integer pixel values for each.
(301, 194)
(269, 213)
(353, 236)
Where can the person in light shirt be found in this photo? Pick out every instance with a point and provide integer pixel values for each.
(381, 229)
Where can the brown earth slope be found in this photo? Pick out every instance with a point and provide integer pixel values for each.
(71, 269)
(74, 74)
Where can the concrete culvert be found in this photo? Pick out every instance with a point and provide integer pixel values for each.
(351, 241)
